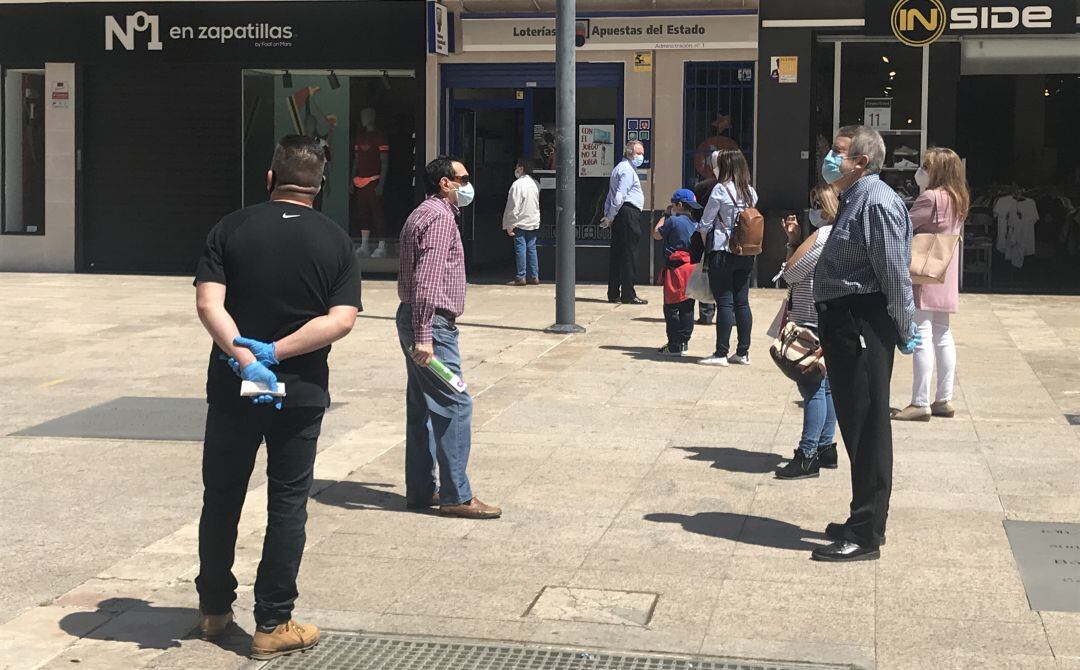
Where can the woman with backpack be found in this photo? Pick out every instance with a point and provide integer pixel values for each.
(729, 268)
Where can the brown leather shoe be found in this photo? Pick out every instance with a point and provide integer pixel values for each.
(533, 281)
(212, 626)
(423, 504)
(474, 509)
(516, 282)
(287, 638)
(912, 413)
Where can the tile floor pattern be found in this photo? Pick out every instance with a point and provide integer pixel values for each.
(618, 471)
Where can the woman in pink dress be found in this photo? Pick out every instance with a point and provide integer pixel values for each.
(942, 208)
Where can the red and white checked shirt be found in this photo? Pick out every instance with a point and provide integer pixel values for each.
(432, 271)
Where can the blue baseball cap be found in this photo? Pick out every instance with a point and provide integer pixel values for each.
(686, 197)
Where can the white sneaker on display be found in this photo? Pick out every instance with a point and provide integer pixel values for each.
(905, 165)
(380, 251)
(718, 361)
(739, 360)
(905, 151)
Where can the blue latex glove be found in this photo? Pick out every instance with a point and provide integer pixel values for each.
(914, 340)
(257, 372)
(265, 352)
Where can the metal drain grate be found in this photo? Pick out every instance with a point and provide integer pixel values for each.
(351, 651)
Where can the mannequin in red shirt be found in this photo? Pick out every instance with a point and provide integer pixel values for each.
(371, 162)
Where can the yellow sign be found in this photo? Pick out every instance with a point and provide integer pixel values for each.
(784, 69)
(642, 61)
(917, 23)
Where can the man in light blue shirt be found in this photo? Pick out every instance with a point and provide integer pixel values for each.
(622, 213)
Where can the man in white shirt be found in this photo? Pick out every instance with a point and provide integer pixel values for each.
(622, 212)
(521, 221)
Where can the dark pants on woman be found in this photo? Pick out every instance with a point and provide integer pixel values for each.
(622, 264)
(859, 339)
(680, 323)
(729, 278)
(232, 441)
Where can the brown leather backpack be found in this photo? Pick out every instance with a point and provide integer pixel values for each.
(748, 231)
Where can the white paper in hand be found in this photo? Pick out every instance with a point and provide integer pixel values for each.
(252, 389)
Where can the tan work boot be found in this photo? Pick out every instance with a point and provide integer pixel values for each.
(287, 638)
(474, 509)
(912, 413)
(212, 626)
(943, 409)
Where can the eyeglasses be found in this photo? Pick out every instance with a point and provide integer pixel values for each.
(462, 179)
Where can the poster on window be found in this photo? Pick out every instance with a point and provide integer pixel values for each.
(877, 113)
(596, 150)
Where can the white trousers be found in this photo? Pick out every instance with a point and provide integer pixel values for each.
(937, 345)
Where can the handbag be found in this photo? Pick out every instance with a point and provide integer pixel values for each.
(931, 255)
(798, 354)
(697, 287)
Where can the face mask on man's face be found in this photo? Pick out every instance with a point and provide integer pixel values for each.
(465, 195)
(830, 168)
(638, 160)
(518, 172)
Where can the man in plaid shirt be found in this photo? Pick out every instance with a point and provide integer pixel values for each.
(862, 287)
(431, 287)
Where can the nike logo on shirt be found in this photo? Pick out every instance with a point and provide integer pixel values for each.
(290, 216)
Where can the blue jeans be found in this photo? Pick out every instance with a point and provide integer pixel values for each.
(438, 421)
(819, 417)
(525, 253)
(729, 279)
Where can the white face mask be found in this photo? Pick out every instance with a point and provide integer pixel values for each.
(922, 178)
(518, 173)
(817, 219)
(465, 195)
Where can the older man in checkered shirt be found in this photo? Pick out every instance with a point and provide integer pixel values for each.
(862, 288)
(431, 287)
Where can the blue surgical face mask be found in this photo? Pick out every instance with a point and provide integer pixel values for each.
(817, 220)
(465, 195)
(638, 160)
(830, 168)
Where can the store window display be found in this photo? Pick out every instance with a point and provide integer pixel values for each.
(370, 170)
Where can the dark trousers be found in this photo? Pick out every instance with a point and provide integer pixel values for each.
(680, 322)
(729, 278)
(625, 235)
(859, 339)
(232, 441)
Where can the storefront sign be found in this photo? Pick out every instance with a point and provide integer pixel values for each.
(784, 69)
(921, 22)
(704, 31)
(877, 113)
(596, 150)
(438, 29)
(641, 129)
(269, 33)
(642, 61)
(60, 98)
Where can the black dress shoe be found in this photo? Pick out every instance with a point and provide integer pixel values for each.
(635, 301)
(827, 456)
(835, 532)
(613, 301)
(839, 552)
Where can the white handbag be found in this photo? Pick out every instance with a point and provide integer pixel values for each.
(697, 287)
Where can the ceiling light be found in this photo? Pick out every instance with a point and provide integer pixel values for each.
(892, 73)
(885, 59)
(1046, 92)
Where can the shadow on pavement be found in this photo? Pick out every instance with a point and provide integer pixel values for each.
(603, 300)
(490, 326)
(358, 495)
(735, 460)
(746, 529)
(649, 353)
(133, 620)
(648, 319)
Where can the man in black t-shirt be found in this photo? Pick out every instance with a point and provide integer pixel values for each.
(276, 285)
